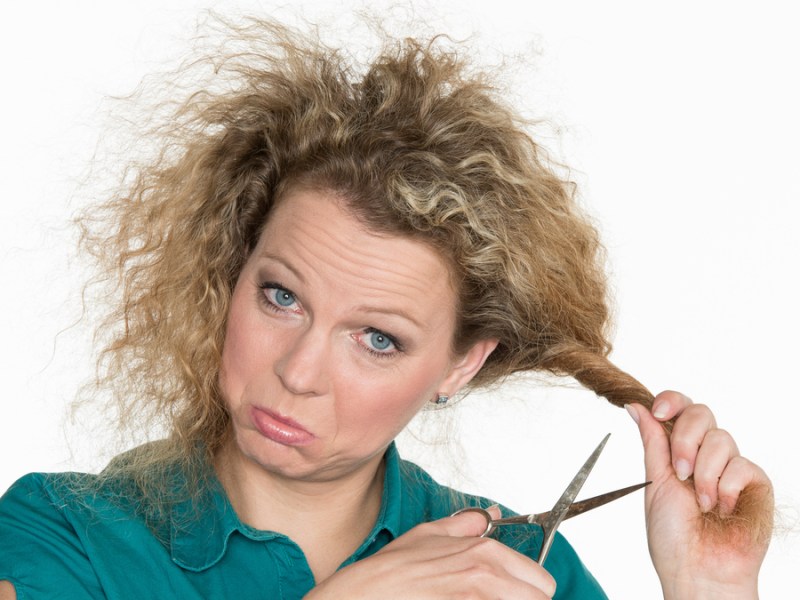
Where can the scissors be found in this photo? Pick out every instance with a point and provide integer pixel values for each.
(565, 508)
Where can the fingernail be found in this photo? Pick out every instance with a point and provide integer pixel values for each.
(660, 410)
(705, 502)
(632, 412)
(492, 507)
(683, 469)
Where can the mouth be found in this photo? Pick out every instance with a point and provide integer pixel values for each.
(279, 428)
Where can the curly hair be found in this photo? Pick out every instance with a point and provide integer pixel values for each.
(418, 145)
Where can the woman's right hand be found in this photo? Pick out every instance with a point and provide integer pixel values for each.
(441, 559)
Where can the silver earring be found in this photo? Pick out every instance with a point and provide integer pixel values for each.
(441, 400)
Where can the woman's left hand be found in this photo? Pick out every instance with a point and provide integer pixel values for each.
(707, 539)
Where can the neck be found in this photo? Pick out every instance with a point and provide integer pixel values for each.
(327, 519)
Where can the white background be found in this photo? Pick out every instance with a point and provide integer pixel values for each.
(680, 121)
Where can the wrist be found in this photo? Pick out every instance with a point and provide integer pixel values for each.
(698, 589)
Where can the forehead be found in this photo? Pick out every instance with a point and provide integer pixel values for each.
(317, 233)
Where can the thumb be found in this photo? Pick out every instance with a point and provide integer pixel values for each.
(468, 522)
(657, 463)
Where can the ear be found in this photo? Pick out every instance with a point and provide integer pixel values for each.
(466, 367)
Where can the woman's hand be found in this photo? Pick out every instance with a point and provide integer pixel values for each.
(709, 510)
(441, 559)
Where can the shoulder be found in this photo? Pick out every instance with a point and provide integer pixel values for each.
(39, 540)
(61, 534)
(40, 495)
(425, 499)
(36, 503)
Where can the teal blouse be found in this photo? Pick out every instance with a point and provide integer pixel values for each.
(54, 547)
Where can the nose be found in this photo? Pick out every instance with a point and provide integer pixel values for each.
(302, 366)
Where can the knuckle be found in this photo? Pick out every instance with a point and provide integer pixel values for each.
(726, 492)
(705, 482)
(735, 476)
(484, 545)
(476, 580)
(673, 395)
(683, 441)
(482, 569)
(717, 434)
(680, 402)
(719, 440)
(737, 472)
(740, 463)
(700, 411)
(480, 572)
(482, 550)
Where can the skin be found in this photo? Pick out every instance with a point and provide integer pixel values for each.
(689, 563)
(307, 355)
(315, 297)
(313, 355)
(306, 340)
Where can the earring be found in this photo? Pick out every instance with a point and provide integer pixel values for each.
(441, 400)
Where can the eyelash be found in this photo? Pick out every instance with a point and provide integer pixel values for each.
(398, 348)
(271, 305)
(267, 301)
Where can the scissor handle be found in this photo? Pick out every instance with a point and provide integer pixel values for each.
(490, 524)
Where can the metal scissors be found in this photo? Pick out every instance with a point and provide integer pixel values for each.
(565, 508)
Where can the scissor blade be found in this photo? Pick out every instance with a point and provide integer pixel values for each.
(561, 507)
(582, 506)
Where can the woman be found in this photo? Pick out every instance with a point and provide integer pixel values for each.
(314, 258)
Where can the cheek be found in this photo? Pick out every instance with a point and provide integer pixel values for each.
(239, 352)
(387, 403)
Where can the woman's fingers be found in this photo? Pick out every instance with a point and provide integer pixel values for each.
(696, 448)
(716, 552)
(489, 563)
(463, 524)
(655, 441)
(739, 473)
(665, 454)
(444, 557)
(484, 558)
(669, 404)
(714, 456)
(692, 425)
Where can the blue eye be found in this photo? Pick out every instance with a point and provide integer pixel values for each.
(283, 297)
(278, 298)
(378, 342)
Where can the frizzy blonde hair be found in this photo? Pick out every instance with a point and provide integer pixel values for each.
(417, 145)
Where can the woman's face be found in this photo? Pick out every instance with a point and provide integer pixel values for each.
(336, 337)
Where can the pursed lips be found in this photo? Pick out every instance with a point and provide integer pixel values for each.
(280, 428)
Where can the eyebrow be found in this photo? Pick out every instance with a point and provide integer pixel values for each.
(365, 308)
(390, 312)
(284, 264)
